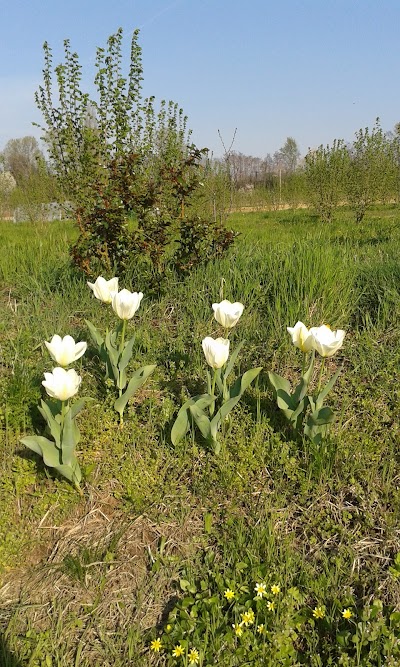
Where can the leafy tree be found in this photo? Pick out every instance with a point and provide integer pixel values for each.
(120, 161)
(288, 156)
(326, 169)
(22, 157)
(371, 172)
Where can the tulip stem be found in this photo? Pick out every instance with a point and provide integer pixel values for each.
(321, 370)
(212, 406)
(121, 349)
(63, 411)
(304, 363)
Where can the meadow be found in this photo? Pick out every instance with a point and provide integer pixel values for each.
(168, 546)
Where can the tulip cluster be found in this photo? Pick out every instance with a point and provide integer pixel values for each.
(113, 350)
(61, 385)
(306, 412)
(201, 409)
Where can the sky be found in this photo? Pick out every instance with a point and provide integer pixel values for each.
(315, 70)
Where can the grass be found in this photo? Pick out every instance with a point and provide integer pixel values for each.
(92, 581)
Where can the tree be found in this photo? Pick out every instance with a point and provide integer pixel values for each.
(288, 156)
(326, 169)
(372, 173)
(21, 157)
(116, 157)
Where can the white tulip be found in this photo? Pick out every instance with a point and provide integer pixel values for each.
(65, 351)
(227, 313)
(104, 289)
(216, 351)
(126, 303)
(327, 342)
(301, 337)
(62, 384)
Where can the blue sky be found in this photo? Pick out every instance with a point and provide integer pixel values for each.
(312, 69)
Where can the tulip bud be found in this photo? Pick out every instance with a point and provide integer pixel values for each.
(104, 289)
(62, 384)
(227, 313)
(65, 351)
(126, 303)
(216, 351)
(325, 341)
(301, 337)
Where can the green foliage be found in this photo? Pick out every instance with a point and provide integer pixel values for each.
(116, 157)
(326, 170)
(371, 171)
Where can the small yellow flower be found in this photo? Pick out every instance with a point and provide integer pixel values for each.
(156, 645)
(270, 606)
(193, 656)
(168, 628)
(248, 617)
(178, 651)
(229, 595)
(260, 589)
(275, 589)
(319, 612)
(238, 629)
(261, 629)
(347, 613)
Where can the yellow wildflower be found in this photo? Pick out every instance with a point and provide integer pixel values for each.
(156, 645)
(260, 589)
(260, 629)
(238, 629)
(193, 656)
(178, 651)
(168, 628)
(319, 612)
(229, 594)
(347, 613)
(270, 606)
(248, 617)
(275, 589)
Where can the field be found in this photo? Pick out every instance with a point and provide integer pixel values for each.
(161, 533)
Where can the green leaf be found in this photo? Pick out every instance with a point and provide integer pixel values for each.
(182, 422)
(301, 389)
(320, 398)
(279, 382)
(51, 457)
(236, 392)
(97, 338)
(46, 410)
(321, 416)
(70, 438)
(77, 407)
(137, 380)
(232, 359)
(126, 355)
(202, 421)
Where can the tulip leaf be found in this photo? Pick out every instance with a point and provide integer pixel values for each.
(326, 389)
(39, 444)
(137, 380)
(321, 416)
(218, 381)
(54, 426)
(182, 422)
(245, 381)
(95, 334)
(77, 407)
(232, 359)
(301, 389)
(70, 438)
(278, 382)
(126, 354)
(202, 421)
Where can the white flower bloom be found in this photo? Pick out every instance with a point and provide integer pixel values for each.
(216, 351)
(227, 313)
(126, 303)
(301, 337)
(104, 289)
(325, 341)
(65, 351)
(62, 384)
